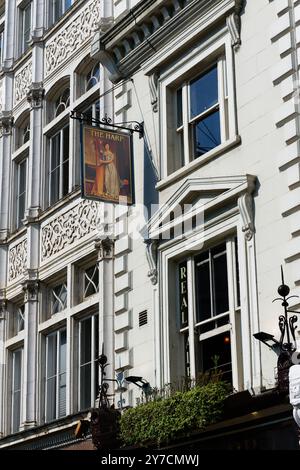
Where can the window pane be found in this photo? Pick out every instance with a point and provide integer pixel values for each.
(85, 341)
(220, 280)
(59, 298)
(204, 92)
(65, 161)
(51, 355)
(179, 107)
(63, 352)
(203, 288)
(16, 411)
(91, 281)
(57, 9)
(17, 358)
(238, 293)
(55, 151)
(207, 134)
(62, 395)
(16, 390)
(85, 386)
(215, 355)
(21, 196)
(51, 399)
(21, 318)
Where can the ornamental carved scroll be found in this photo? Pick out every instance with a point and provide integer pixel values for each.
(22, 83)
(17, 260)
(70, 227)
(72, 37)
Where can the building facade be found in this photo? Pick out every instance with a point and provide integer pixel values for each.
(178, 283)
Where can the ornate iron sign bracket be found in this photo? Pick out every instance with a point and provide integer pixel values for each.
(107, 121)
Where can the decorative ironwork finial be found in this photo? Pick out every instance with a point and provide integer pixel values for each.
(103, 387)
(287, 325)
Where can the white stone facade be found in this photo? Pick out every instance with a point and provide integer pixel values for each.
(242, 193)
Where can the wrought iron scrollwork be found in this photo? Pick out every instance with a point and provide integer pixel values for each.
(135, 126)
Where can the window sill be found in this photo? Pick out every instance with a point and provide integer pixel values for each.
(197, 163)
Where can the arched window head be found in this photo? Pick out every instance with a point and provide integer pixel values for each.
(93, 77)
(62, 102)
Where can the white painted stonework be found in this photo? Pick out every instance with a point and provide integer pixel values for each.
(244, 192)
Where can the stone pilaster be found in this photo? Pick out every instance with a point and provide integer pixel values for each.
(29, 392)
(105, 249)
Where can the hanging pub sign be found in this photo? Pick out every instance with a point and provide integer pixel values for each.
(107, 169)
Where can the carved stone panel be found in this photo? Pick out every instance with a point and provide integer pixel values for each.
(69, 39)
(22, 83)
(69, 227)
(17, 260)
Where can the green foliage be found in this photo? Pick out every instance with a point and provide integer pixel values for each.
(163, 419)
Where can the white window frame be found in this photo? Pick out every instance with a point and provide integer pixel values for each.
(60, 166)
(23, 161)
(192, 65)
(13, 358)
(57, 374)
(232, 313)
(93, 361)
(63, 306)
(22, 17)
(51, 9)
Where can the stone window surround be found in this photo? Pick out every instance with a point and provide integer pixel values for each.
(186, 66)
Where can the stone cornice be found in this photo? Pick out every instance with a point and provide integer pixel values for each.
(139, 34)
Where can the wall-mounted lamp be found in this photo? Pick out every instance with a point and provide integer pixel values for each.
(141, 383)
(267, 339)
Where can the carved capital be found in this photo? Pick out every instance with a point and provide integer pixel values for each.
(151, 253)
(36, 94)
(105, 247)
(153, 85)
(245, 203)
(31, 215)
(31, 290)
(6, 122)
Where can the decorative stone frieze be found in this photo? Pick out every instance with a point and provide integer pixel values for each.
(22, 83)
(69, 39)
(68, 227)
(17, 260)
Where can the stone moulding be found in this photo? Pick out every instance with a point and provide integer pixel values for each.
(123, 47)
(69, 227)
